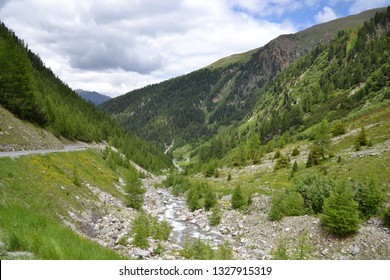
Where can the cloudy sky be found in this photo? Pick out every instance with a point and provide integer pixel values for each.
(114, 46)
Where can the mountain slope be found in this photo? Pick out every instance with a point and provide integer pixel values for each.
(93, 96)
(33, 93)
(315, 96)
(16, 134)
(192, 107)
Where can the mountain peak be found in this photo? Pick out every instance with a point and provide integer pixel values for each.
(93, 96)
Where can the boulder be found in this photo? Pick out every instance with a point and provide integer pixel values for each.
(140, 253)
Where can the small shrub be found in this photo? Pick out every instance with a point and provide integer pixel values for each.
(210, 171)
(295, 167)
(140, 229)
(315, 157)
(145, 226)
(362, 137)
(289, 203)
(200, 195)
(314, 189)
(238, 200)
(197, 250)
(160, 230)
(159, 249)
(201, 250)
(224, 252)
(229, 178)
(282, 162)
(303, 248)
(193, 197)
(215, 216)
(281, 250)
(122, 240)
(210, 199)
(135, 194)
(338, 129)
(369, 198)
(295, 152)
(340, 212)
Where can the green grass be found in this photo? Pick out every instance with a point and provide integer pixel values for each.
(36, 190)
(364, 169)
(45, 237)
(240, 58)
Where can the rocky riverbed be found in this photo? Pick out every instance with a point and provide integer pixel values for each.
(250, 233)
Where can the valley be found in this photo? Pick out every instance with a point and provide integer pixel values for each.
(278, 153)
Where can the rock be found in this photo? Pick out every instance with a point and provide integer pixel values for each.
(24, 255)
(259, 253)
(325, 251)
(2, 244)
(96, 227)
(140, 253)
(354, 250)
(224, 230)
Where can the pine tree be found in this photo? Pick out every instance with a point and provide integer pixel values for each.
(295, 167)
(141, 229)
(340, 212)
(210, 199)
(362, 138)
(369, 198)
(135, 192)
(315, 156)
(216, 215)
(238, 201)
(295, 152)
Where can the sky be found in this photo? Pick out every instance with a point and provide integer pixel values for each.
(115, 46)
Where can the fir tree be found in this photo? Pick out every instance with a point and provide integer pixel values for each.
(295, 152)
(135, 194)
(238, 201)
(210, 199)
(295, 167)
(216, 215)
(340, 212)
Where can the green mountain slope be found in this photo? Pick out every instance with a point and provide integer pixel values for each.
(334, 83)
(194, 106)
(33, 93)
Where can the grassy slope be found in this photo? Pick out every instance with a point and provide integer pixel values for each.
(263, 179)
(17, 134)
(35, 191)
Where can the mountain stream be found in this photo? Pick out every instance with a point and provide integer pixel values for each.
(185, 224)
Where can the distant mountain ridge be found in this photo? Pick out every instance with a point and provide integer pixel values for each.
(193, 107)
(93, 96)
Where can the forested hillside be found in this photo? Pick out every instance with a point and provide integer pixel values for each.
(331, 84)
(193, 107)
(32, 92)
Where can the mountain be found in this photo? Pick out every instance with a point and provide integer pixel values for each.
(193, 107)
(32, 93)
(317, 95)
(93, 96)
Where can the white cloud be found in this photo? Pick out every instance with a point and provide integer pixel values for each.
(362, 5)
(325, 15)
(113, 46)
